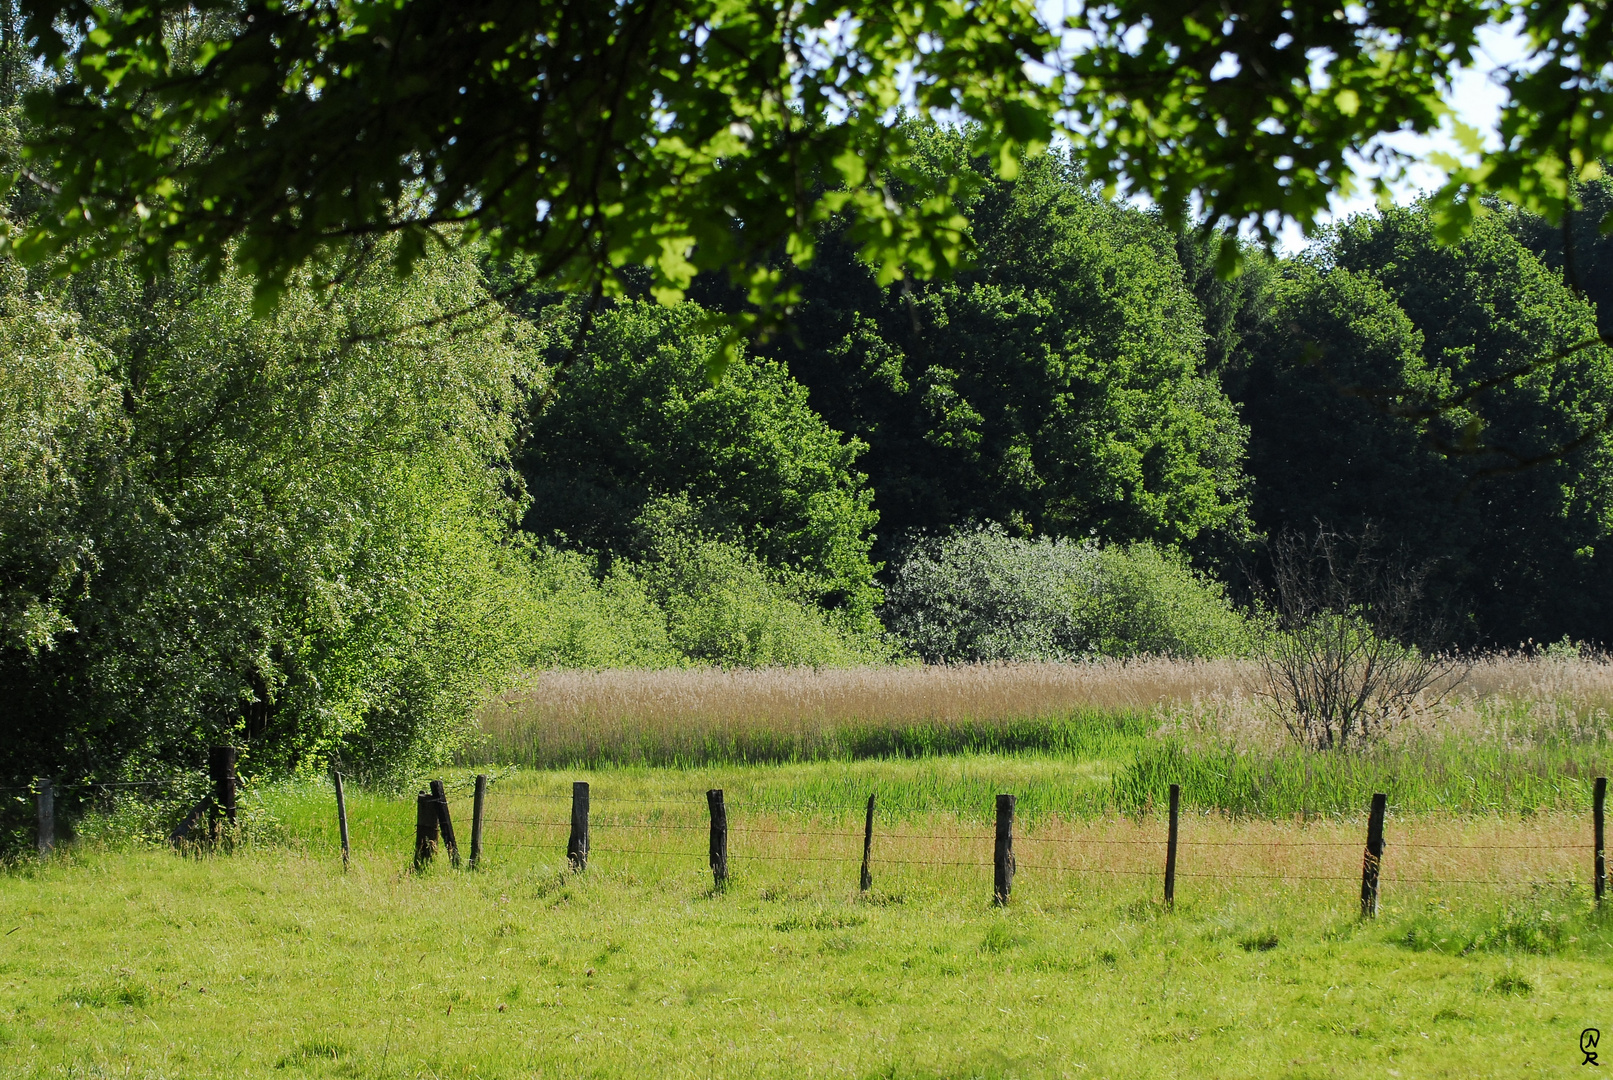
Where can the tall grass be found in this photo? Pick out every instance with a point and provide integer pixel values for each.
(785, 714)
(1517, 734)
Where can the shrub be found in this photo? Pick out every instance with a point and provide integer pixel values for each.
(723, 606)
(982, 595)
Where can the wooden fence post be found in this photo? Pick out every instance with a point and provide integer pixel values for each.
(577, 842)
(446, 823)
(1599, 867)
(867, 879)
(476, 820)
(341, 816)
(1170, 847)
(221, 768)
(719, 838)
(47, 816)
(1372, 862)
(425, 829)
(1003, 856)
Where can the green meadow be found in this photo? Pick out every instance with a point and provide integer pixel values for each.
(121, 958)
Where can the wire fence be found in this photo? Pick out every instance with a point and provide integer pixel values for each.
(524, 821)
(737, 832)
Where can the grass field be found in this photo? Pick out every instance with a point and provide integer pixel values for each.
(122, 960)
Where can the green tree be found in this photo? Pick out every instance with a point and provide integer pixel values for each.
(1576, 247)
(1054, 388)
(1456, 396)
(284, 530)
(634, 418)
(699, 135)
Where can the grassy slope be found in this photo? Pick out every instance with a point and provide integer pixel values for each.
(270, 962)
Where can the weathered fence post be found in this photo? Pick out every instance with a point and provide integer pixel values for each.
(1170, 847)
(1599, 868)
(341, 816)
(1003, 857)
(221, 768)
(476, 820)
(446, 823)
(1372, 862)
(867, 879)
(425, 829)
(577, 842)
(719, 838)
(47, 816)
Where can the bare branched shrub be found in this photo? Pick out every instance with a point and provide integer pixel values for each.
(1345, 655)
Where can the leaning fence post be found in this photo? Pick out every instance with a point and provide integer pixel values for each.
(1003, 857)
(577, 842)
(425, 829)
(46, 799)
(1170, 847)
(719, 838)
(867, 879)
(1599, 869)
(341, 816)
(221, 767)
(1373, 860)
(440, 793)
(476, 820)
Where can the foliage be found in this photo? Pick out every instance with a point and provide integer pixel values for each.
(584, 137)
(634, 418)
(1576, 247)
(723, 605)
(699, 137)
(1457, 397)
(1056, 388)
(982, 595)
(58, 415)
(284, 530)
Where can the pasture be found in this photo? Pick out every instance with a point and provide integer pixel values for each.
(122, 958)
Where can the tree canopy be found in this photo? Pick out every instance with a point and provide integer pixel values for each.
(634, 419)
(1457, 397)
(1055, 388)
(706, 133)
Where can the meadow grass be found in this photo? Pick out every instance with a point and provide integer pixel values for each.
(120, 959)
(1516, 734)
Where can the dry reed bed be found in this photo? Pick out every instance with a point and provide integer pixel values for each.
(593, 711)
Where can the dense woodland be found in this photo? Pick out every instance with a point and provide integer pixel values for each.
(328, 531)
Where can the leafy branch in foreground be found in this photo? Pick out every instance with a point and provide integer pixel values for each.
(691, 135)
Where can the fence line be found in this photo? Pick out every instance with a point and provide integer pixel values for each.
(434, 823)
(1373, 875)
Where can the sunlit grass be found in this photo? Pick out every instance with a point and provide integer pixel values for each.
(272, 962)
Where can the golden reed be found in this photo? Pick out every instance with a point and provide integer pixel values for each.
(614, 711)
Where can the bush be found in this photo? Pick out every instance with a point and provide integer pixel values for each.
(982, 595)
(723, 606)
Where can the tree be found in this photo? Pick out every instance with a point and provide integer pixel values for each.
(286, 531)
(635, 419)
(701, 134)
(1455, 395)
(1340, 660)
(1054, 388)
(1576, 247)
